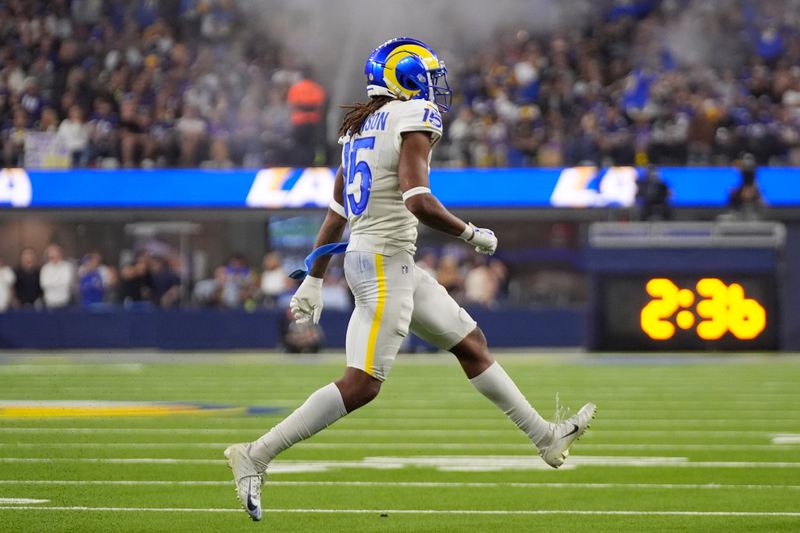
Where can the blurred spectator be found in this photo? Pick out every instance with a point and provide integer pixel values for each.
(500, 271)
(135, 143)
(14, 139)
(652, 197)
(461, 133)
(74, 133)
(273, 278)
(527, 136)
(94, 280)
(162, 131)
(335, 293)
(30, 100)
(584, 147)
(192, 131)
(481, 285)
(208, 292)
(237, 287)
(746, 201)
(220, 156)
(307, 101)
(27, 288)
(448, 275)
(276, 129)
(57, 278)
(136, 281)
(299, 338)
(247, 135)
(103, 133)
(49, 120)
(166, 283)
(7, 279)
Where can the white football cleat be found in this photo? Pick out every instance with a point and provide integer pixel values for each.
(554, 448)
(247, 478)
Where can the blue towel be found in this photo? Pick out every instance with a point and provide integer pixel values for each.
(333, 248)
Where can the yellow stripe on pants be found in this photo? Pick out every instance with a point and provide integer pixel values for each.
(376, 320)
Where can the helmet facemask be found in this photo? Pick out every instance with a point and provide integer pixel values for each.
(438, 89)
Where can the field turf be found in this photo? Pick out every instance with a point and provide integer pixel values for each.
(679, 444)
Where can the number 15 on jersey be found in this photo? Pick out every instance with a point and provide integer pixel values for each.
(351, 167)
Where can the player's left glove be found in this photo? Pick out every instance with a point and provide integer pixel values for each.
(306, 304)
(482, 239)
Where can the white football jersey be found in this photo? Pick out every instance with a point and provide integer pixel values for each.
(378, 217)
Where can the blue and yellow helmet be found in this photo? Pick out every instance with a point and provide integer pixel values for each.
(407, 69)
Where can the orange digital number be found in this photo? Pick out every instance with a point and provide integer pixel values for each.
(721, 309)
(746, 317)
(713, 310)
(654, 318)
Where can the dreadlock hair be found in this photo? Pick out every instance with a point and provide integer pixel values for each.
(359, 111)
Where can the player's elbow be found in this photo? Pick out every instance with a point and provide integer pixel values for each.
(421, 205)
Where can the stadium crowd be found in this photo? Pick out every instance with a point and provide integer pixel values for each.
(145, 279)
(628, 90)
(139, 83)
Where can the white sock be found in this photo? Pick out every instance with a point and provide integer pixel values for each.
(320, 410)
(495, 384)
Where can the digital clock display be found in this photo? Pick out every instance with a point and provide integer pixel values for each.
(685, 312)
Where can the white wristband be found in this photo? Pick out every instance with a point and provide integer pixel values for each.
(468, 233)
(312, 281)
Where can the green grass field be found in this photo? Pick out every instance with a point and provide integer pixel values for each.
(679, 444)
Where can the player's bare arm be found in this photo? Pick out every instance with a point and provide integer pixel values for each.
(331, 229)
(413, 173)
(415, 186)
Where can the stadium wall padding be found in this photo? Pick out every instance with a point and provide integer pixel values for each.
(278, 188)
(214, 329)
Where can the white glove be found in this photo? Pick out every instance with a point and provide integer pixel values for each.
(306, 304)
(482, 239)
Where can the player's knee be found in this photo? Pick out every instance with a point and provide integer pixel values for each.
(473, 347)
(361, 394)
(369, 390)
(357, 388)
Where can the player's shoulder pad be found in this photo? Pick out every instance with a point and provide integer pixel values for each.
(417, 115)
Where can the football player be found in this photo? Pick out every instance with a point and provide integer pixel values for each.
(382, 191)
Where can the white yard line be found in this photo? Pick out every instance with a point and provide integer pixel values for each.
(408, 484)
(489, 512)
(64, 368)
(452, 463)
(785, 439)
(20, 501)
(777, 445)
(387, 432)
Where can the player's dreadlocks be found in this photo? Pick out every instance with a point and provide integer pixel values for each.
(359, 111)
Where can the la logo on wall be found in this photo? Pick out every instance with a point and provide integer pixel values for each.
(292, 187)
(15, 187)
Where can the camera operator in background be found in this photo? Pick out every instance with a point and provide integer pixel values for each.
(745, 201)
(652, 197)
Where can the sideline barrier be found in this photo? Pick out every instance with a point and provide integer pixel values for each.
(214, 329)
(276, 188)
